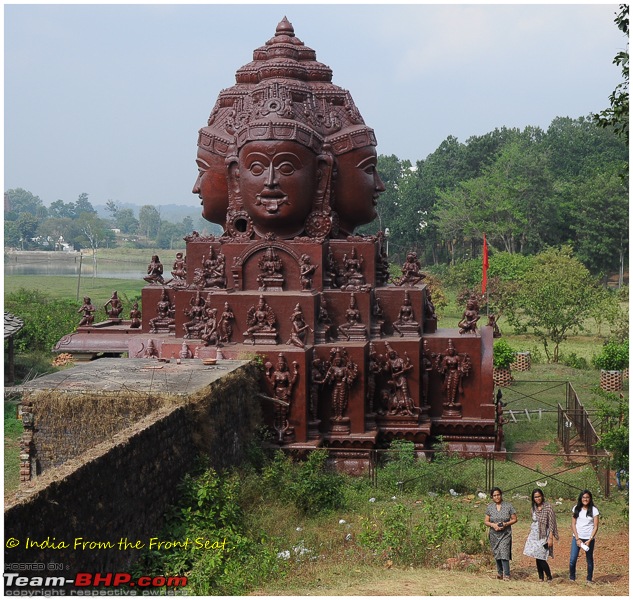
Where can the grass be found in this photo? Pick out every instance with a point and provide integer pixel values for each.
(12, 433)
(60, 287)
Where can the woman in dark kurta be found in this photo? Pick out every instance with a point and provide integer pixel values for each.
(500, 516)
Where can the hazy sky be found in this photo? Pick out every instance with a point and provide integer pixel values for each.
(108, 99)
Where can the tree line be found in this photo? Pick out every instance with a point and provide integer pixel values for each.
(30, 225)
(525, 189)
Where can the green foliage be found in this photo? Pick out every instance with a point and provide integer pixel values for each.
(46, 320)
(503, 354)
(614, 356)
(553, 300)
(574, 361)
(308, 485)
(613, 414)
(427, 537)
(209, 509)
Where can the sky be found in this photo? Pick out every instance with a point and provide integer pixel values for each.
(108, 99)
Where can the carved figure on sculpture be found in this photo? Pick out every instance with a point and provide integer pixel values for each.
(282, 382)
(179, 272)
(88, 311)
(331, 273)
(135, 316)
(429, 307)
(265, 162)
(453, 367)
(185, 352)
(212, 272)
(225, 329)
(492, 322)
(378, 318)
(155, 271)
(116, 307)
(426, 365)
(397, 368)
(261, 323)
(270, 266)
(341, 374)
(165, 312)
(299, 330)
(406, 324)
(306, 271)
(148, 350)
(382, 264)
(468, 324)
(209, 333)
(375, 367)
(411, 271)
(353, 328)
(353, 276)
(317, 377)
(195, 312)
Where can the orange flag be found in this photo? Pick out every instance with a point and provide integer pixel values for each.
(484, 262)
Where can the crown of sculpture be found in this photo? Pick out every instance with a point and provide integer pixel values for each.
(266, 158)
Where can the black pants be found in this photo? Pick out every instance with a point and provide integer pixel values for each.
(543, 569)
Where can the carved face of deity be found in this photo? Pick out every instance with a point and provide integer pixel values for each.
(277, 182)
(357, 187)
(211, 186)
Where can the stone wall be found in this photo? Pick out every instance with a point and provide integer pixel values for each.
(120, 488)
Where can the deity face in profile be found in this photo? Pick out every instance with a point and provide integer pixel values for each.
(277, 182)
(211, 186)
(357, 187)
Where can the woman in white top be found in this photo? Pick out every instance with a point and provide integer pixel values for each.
(584, 526)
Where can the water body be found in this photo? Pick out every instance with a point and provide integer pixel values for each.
(49, 263)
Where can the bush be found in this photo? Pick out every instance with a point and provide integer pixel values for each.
(46, 320)
(503, 354)
(613, 357)
(574, 361)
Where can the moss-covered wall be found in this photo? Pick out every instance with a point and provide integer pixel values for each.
(121, 487)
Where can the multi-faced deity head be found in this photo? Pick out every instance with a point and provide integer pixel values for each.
(265, 157)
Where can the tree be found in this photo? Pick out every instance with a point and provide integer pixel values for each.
(83, 205)
(126, 221)
(94, 233)
(602, 222)
(26, 224)
(553, 299)
(62, 210)
(148, 221)
(57, 228)
(21, 201)
(617, 115)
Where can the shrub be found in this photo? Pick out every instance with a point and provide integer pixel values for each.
(503, 354)
(613, 357)
(574, 361)
(46, 320)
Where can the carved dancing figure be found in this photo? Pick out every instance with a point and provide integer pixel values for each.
(453, 367)
(492, 322)
(155, 271)
(306, 271)
(299, 330)
(374, 369)
(116, 307)
(88, 311)
(400, 402)
(282, 382)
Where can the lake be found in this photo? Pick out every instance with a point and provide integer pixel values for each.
(63, 263)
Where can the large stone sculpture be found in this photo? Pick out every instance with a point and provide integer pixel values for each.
(288, 167)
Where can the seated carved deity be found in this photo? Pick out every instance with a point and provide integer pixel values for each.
(405, 324)
(261, 323)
